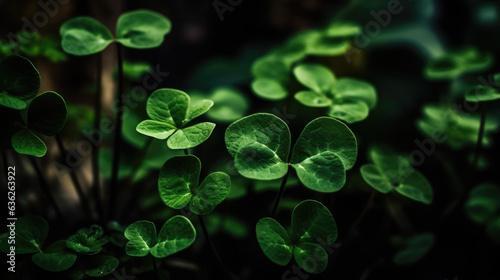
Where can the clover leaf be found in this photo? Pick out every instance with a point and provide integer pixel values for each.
(481, 93)
(19, 81)
(55, 258)
(456, 63)
(46, 114)
(170, 110)
(347, 99)
(413, 249)
(230, 104)
(176, 235)
(31, 232)
(260, 145)
(460, 129)
(312, 227)
(87, 241)
(179, 185)
(138, 29)
(392, 172)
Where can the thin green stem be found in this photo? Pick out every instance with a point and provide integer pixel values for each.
(280, 193)
(45, 188)
(78, 187)
(113, 187)
(214, 251)
(480, 136)
(396, 211)
(96, 189)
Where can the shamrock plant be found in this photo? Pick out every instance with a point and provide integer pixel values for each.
(483, 207)
(260, 145)
(27, 113)
(88, 241)
(176, 234)
(179, 185)
(170, 111)
(31, 232)
(392, 172)
(456, 63)
(140, 29)
(313, 226)
(347, 99)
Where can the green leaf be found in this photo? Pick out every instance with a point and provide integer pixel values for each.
(18, 78)
(199, 108)
(391, 171)
(318, 43)
(191, 136)
(230, 104)
(350, 90)
(349, 112)
(311, 257)
(269, 89)
(262, 128)
(314, 76)
(55, 258)
(274, 241)
(84, 36)
(87, 241)
(270, 67)
(257, 161)
(135, 70)
(176, 235)
(453, 64)
(483, 203)
(481, 93)
(343, 29)
(169, 106)
(210, 193)
(313, 99)
(312, 222)
(177, 176)
(415, 248)
(157, 129)
(142, 29)
(11, 102)
(101, 265)
(31, 232)
(27, 143)
(141, 236)
(47, 113)
(317, 151)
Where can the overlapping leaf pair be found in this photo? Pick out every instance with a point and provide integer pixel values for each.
(24, 111)
(260, 145)
(313, 226)
(483, 207)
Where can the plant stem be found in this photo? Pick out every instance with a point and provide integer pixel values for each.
(280, 193)
(96, 189)
(78, 187)
(480, 136)
(214, 251)
(117, 139)
(45, 188)
(155, 267)
(399, 216)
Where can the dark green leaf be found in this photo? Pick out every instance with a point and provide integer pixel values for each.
(18, 77)
(142, 237)
(84, 36)
(47, 113)
(169, 106)
(31, 232)
(483, 203)
(274, 241)
(101, 265)
(27, 143)
(312, 222)
(87, 241)
(176, 235)
(55, 258)
(210, 193)
(415, 248)
(311, 257)
(177, 177)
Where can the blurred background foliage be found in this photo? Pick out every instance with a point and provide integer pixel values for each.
(421, 62)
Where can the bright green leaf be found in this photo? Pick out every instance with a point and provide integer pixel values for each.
(353, 90)
(177, 177)
(142, 29)
(210, 193)
(274, 241)
(169, 106)
(315, 76)
(191, 136)
(199, 108)
(313, 222)
(176, 235)
(157, 129)
(269, 89)
(257, 161)
(229, 104)
(84, 36)
(481, 93)
(313, 99)
(27, 143)
(141, 236)
(311, 257)
(349, 112)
